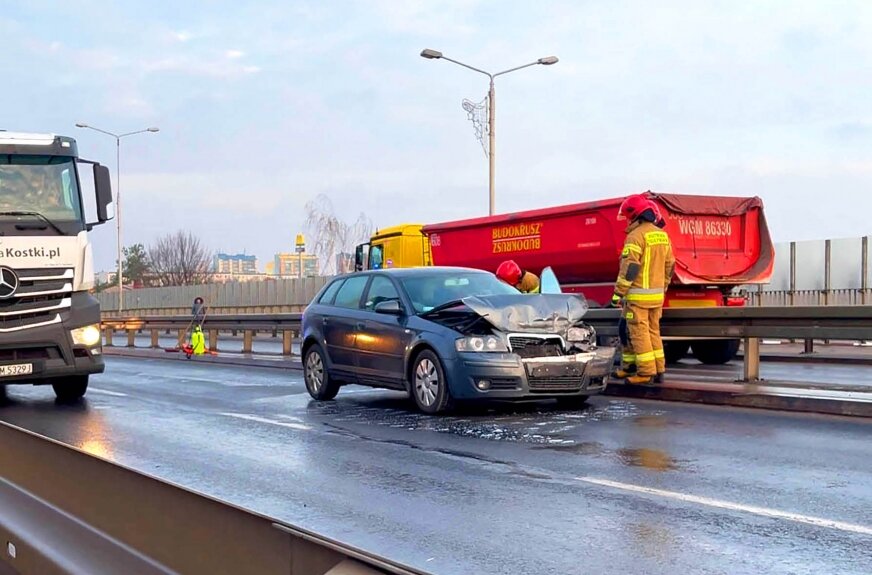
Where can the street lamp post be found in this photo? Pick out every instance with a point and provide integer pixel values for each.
(118, 196)
(491, 99)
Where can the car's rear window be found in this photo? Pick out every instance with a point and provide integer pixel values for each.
(329, 293)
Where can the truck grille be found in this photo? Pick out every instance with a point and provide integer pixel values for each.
(528, 345)
(41, 296)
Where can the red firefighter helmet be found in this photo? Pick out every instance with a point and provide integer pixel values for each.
(509, 272)
(635, 205)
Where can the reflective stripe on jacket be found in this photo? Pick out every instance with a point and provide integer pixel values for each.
(647, 264)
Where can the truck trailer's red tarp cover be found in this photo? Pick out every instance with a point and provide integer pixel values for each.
(757, 250)
(717, 240)
(708, 205)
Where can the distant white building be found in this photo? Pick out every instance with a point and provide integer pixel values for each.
(105, 277)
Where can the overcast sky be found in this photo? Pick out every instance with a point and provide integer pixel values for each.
(264, 105)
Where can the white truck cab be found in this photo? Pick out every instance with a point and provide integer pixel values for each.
(49, 321)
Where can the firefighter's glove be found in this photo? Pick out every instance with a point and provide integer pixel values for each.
(616, 301)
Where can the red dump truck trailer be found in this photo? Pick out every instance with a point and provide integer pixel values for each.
(720, 243)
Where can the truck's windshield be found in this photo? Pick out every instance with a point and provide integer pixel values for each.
(376, 257)
(44, 184)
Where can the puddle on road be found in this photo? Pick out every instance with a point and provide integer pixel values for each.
(654, 459)
(522, 423)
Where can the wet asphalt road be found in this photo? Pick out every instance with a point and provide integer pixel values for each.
(619, 487)
(688, 369)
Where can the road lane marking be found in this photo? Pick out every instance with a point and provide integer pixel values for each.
(297, 426)
(730, 506)
(106, 392)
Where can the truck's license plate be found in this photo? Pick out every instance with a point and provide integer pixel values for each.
(17, 369)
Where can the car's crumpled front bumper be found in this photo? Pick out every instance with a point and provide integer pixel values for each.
(508, 376)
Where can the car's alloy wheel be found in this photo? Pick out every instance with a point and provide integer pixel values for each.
(428, 385)
(314, 372)
(426, 382)
(319, 384)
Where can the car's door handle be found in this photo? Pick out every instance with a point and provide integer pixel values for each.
(324, 321)
(360, 325)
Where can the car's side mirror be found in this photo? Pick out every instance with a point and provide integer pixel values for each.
(548, 282)
(390, 307)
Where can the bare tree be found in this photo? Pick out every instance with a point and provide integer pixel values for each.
(330, 236)
(179, 259)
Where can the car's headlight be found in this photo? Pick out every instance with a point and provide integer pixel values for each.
(583, 334)
(89, 335)
(479, 344)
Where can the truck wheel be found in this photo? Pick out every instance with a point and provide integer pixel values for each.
(715, 351)
(319, 384)
(71, 388)
(675, 351)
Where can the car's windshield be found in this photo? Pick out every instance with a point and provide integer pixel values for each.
(44, 184)
(432, 290)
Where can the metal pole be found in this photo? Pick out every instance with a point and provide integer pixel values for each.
(864, 270)
(118, 220)
(492, 139)
(828, 269)
(792, 272)
(751, 363)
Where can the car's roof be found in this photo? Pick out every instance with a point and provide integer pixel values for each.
(420, 271)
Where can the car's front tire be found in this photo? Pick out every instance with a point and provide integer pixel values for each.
(319, 384)
(428, 384)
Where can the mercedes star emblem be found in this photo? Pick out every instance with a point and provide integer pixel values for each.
(8, 283)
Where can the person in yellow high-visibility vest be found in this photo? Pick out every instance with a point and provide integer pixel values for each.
(198, 341)
(647, 264)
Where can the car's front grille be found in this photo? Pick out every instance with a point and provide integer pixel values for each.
(41, 295)
(528, 346)
(504, 383)
(566, 384)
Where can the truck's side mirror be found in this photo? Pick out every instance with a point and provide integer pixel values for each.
(360, 257)
(103, 186)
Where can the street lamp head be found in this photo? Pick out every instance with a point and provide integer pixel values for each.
(548, 60)
(153, 130)
(80, 125)
(431, 54)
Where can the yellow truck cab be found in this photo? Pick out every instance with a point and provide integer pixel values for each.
(403, 246)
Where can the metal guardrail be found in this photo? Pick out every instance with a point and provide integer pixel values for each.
(63, 511)
(746, 323)
(810, 322)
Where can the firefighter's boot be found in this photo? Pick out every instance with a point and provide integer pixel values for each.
(624, 371)
(640, 380)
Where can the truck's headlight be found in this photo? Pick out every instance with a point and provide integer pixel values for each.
(478, 344)
(89, 335)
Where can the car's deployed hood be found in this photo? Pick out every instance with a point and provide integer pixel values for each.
(540, 313)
